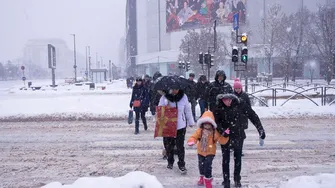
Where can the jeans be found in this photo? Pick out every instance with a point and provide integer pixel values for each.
(171, 142)
(205, 165)
(236, 145)
(202, 104)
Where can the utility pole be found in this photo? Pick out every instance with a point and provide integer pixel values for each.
(75, 57)
(96, 60)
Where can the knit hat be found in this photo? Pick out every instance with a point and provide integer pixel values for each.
(237, 84)
(207, 117)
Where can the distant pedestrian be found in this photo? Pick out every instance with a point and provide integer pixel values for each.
(140, 102)
(200, 93)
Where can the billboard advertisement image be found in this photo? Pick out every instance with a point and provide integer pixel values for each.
(191, 14)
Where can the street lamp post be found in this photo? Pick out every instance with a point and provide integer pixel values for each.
(75, 57)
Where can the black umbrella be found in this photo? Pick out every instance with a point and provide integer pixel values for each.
(171, 82)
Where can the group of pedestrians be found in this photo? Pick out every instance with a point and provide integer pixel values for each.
(224, 118)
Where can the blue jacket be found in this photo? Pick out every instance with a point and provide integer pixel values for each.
(140, 93)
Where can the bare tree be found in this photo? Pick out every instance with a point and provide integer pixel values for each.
(294, 40)
(195, 42)
(272, 32)
(323, 36)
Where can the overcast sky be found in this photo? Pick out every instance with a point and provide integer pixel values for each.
(98, 23)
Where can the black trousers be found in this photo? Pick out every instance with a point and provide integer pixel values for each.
(205, 165)
(170, 142)
(236, 145)
(138, 114)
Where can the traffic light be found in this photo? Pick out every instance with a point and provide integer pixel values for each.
(235, 54)
(244, 54)
(188, 66)
(181, 65)
(201, 58)
(211, 60)
(207, 58)
(244, 38)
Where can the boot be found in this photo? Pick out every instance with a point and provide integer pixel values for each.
(226, 184)
(208, 182)
(137, 125)
(238, 184)
(201, 181)
(145, 124)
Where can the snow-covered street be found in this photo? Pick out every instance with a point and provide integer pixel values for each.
(36, 153)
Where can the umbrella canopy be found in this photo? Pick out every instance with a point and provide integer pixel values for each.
(171, 82)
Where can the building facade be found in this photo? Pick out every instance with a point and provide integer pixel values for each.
(154, 30)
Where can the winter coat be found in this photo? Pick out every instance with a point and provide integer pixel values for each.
(214, 89)
(201, 90)
(229, 117)
(190, 91)
(180, 101)
(142, 94)
(211, 144)
(154, 95)
(244, 98)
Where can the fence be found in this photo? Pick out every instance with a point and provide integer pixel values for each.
(321, 93)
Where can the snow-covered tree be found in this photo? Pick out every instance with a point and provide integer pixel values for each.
(323, 36)
(272, 33)
(294, 41)
(195, 42)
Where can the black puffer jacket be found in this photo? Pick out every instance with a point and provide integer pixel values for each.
(229, 117)
(244, 98)
(190, 91)
(201, 90)
(215, 88)
(142, 94)
(154, 95)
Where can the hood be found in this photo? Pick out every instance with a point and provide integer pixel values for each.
(156, 75)
(235, 99)
(220, 73)
(207, 117)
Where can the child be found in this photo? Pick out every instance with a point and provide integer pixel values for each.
(207, 136)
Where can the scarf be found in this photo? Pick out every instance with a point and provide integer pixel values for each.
(204, 139)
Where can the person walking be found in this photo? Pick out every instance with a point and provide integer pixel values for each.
(176, 98)
(140, 102)
(191, 93)
(244, 98)
(219, 86)
(227, 114)
(206, 137)
(201, 87)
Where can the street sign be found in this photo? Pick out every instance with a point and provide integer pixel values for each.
(24, 78)
(22, 67)
(236, 22)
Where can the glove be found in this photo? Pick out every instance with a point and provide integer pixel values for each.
(190, 143)
(226, 133)
(262, 134)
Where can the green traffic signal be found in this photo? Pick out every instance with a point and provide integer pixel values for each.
(244, 58)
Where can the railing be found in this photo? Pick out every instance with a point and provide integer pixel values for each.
(323, 95)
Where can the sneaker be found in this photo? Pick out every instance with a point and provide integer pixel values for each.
(165, 157)
(182, 170)
(136, 132)
(169, 166)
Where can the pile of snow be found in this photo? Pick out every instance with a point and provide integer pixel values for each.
(135, 179)
(318, 181)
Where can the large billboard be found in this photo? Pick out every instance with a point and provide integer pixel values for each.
(190, 14)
